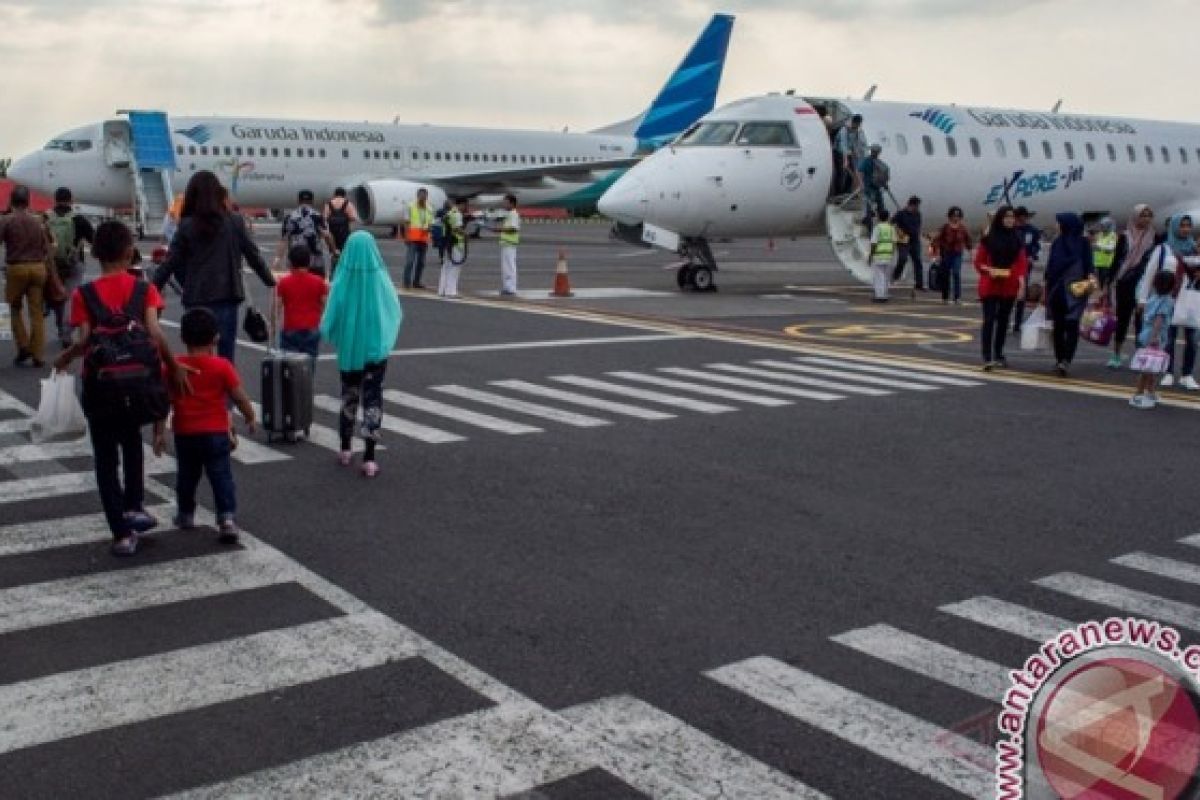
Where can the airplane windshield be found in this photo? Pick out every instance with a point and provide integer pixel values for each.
(766, 134)
(69, 145)
(708, 134)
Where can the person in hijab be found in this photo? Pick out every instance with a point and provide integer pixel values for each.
(1133, 249)
(361, 320)
(1070, 264)
(1002, 265)
(1179, 256)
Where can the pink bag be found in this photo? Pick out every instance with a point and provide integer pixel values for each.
(1149, 360)
(1098, 324)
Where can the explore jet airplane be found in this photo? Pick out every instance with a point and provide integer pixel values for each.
(143, 160)
(763, 167)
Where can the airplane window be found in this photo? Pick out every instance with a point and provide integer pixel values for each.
(426, 155)
(387, 154)
(1198, 153)
(1132, 153)
(710, 134)
(1112, 153)
(1024, 147)
(311, 153)
(1070, 148)
(203, 151)
(179, 150)
(1047, 149)
(504, 159)
(437, 156)
(1166, 154)
(191, 150)
(1091, 151)
(321, 152)
(376, 154)
(1000, 149)
(928, 145)
(1183, 155)
(366, 153)
(287, 152)
(1149, 154)
(274, 152)
(299, 152)
(976, 150)
(345, 153)
(237, 151)
(543, 159)
(766, 134)
(901, 144)
(951, 146)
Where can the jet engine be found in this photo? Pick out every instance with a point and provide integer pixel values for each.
(386, 202)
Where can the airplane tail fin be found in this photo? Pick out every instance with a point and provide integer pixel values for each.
(690, 92)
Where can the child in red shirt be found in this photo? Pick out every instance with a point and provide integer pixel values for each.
(302, 295)
(203, 435)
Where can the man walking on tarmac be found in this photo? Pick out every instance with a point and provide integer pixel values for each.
(417, 234)
(510, 237)
(70, 231)
(26, 242)
(304, 226)
(907, 223)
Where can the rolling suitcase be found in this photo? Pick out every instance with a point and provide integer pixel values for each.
(287, 395)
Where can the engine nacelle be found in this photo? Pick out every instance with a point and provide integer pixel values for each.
(386, 202)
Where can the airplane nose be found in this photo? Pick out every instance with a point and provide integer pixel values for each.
(27, 171)
(625, 201)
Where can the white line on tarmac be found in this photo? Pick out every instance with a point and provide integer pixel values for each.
(1127, 600)
(948, 758)
(97, 698)
(403, 427)
(1163, 567)
(790, 391)
(535, 345)
(466, 416)
(14, 426)
(817, 383)
(672, 400)
(1009, 617)
(523, 407)
(48, 451)
(707, 390)
(583, 400)
(891, 383)
(920, 374)
(323, 436)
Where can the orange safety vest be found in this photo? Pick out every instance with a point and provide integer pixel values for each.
(419, 222)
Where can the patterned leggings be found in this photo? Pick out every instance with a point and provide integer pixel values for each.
(363, 387)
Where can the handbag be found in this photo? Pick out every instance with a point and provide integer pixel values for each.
(1187, 309)
(255, 325)
(1149, 360)
(1080, 288)
(1098, 324)
(937, 278)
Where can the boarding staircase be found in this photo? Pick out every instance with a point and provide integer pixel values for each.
(151, 162)
(851, 239)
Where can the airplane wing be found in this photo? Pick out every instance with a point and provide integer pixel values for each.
(532, 175)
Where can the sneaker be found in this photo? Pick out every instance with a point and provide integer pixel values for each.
(1168, 381)
(140, 522)
(1190, 384)
(227, 532)
(345, 457)
(1114, 362)
(988, 366)
(184, 522)
(370, 469)
(1060, 369)
(1143, 401)
(126, 545)
(22, 357)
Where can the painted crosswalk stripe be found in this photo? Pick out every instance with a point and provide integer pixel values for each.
(703, 389)
(802, 380)
(891, 383)
(686, 755)
(746, 383)
(978, 676)
(1128, 600)
(52, 602)
(938, 754)
(29, 537)
(463, 415)
(522, 407)
(48, 451)
(1191, 541)
(97, 698)
(649, 395)
(583, 400)
(323, 436)
(403, 427)
(8, 426)
(919, 374)
(1163, 567)
(48, 486)
(250, 452)
(1009, 617)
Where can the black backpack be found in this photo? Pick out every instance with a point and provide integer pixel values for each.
(339, 222)
(123, 372)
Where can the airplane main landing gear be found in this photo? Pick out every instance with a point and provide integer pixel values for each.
(697, 276)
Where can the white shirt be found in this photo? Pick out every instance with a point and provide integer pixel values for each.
(1162, 258)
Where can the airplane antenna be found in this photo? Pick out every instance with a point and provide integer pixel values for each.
(870, 92)
(1057, 106)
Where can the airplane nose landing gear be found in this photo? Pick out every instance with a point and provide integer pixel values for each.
(697, 276)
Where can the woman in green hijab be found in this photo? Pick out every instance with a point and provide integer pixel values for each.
(362, 318)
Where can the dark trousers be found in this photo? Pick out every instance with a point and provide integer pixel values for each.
(1019, 313)
(1189, 350)
(118, 448)
(993, 335)
(912, 249)
(227, 327)
(414, 263)
(1125, 294)
(1066, 332)
(363, 388)
(197, 454)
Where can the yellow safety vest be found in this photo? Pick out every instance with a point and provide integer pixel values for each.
(419, 221)
(512, 238)
(885, 244)
(1105, 250)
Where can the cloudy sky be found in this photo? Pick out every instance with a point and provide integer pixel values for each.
(546, 64)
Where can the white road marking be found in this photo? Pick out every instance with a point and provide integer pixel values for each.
(583, 400)
(464, 415)
(596, 293)
(790, 391)
(689, 757)
(535, 345)
(251, 452)
(403, 427)
(49, 451)
(672, 400)
(8, 426)
(49, 486)
(1010, 618)
(915, 372)
(887, 732)
(97, 698)
(1128, 600)
(29, 537)
(523, 407)
(1163, 567)
(1191, 541)
(817, 383)
(709, 391)
(891, 383)
(323, 436)
(114, 591)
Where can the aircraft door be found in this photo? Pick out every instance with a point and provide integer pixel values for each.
(118, 143)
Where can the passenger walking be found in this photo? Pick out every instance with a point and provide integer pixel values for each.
(26, 243)
(304, 226)
(341, 217)
(1156, 319)
(361, 320)
(952, 241)
(206, 255)
(1070, 277)
(851, 147)
(907, 222)
(456, 238)
(1104, 252)
(117, 320)
(1178, 256)
(883, 250)
(1002, 265)
(1031, 238)
(417, 234)
(438, 232)
(1133, 251)
(70, 232)
(510, 239)
(301, 295)
(876, 175)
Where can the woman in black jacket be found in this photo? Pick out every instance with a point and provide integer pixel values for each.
(206, 257)
(1070, 263)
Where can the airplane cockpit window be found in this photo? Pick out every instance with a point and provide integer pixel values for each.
(69, 145)
(766, 134)
(708, 134)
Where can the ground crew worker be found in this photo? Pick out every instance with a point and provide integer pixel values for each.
(417, 234)
(510, 237)
(455, 238)
(883, 248)
(1104, 251)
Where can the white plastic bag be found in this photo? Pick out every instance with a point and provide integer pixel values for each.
(59, 415)
(1035, 331)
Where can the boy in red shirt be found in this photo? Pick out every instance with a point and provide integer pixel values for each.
(203, 435)
(302, 295)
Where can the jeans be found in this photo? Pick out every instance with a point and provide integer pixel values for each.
(1189, 350)
(911, 250)
(362, 387)
(200, 453)
(118, 446)
(414, 263)
(26, 282)
(1066, 331)
(307, 342)
(227, 326)
(952, 274)
(996, 311)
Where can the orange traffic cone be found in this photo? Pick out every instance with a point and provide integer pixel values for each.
(562, 281)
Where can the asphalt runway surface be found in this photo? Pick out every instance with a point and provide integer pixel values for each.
(771, 541)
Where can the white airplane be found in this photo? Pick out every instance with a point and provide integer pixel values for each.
(763, 167)
(140, 160)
